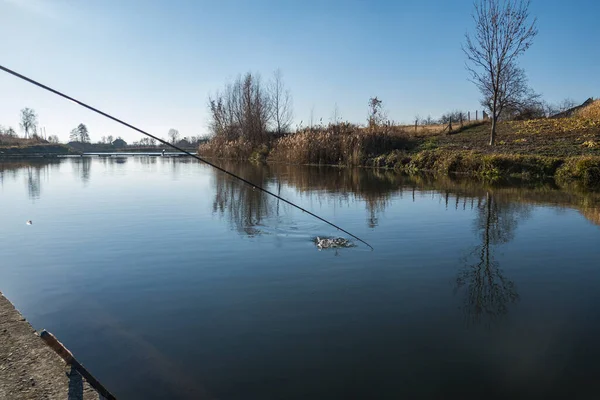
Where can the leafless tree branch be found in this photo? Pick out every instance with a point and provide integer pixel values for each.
(502, 34)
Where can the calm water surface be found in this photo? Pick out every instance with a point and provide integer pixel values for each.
(168, 280)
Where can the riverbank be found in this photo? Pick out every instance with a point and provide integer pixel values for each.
(581, 170)
(35, 150)
(567, 150)
(29, 369)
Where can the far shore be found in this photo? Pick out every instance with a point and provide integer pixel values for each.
(565, 149)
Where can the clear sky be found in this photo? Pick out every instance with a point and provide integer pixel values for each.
(154, 62)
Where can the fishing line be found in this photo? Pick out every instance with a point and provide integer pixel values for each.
(36, 83)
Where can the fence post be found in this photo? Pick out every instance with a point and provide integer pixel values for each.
(461, 119)
(469, 116)
(476, 115)
(450, 125)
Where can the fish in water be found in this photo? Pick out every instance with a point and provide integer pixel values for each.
(29, 222)
(332, 243)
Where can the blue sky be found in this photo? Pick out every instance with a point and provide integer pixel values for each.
(154, 63)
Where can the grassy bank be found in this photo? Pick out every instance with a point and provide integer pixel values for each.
(583, 170)
(566, 149)
(14, 146)
(34, 150)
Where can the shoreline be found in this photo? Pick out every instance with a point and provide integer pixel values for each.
(492, 167)
(583, 170)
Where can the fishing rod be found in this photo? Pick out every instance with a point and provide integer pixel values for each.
(49, 89)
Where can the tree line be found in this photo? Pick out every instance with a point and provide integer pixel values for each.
(29, 125)
(254, 110)
(251, 110)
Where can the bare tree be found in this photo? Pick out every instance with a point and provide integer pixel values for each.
(377, 115)
(454, 116)
(173, 135)
(74, 135)
(84, 135)
(29, 122)
(566, 105)
(281, 103)
(242, 110)
(8, 132)
(53, 139)
(80, 134)
(502, 34)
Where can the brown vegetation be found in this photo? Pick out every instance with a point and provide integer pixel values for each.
(566, 148)
(14, 140)
(342, 144)
(12, 146)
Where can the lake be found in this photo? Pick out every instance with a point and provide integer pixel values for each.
(168, 279)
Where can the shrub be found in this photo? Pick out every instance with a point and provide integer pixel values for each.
(582, 169)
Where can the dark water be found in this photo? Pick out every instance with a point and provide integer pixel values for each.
(168, 280)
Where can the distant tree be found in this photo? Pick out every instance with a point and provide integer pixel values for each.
(173, 135)
(377, 115)
(53, 139)
(74, 135)
(527, 109)
(29, 122)
(84, 135)
(281, 103)
(80, 134)
(566, 104)
(502, 34)
(8, 132)
(109, 139)
(242, 110)
(562, 106)
(455, 116)
(147, 141)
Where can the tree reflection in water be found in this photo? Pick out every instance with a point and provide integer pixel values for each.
(245, 206)
(34, 171)
(81, 168)
(33, 182)
(488, 293)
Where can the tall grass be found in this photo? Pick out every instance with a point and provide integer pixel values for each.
(237, 149)
(13, 140)
(342, 144)
(592, 111)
